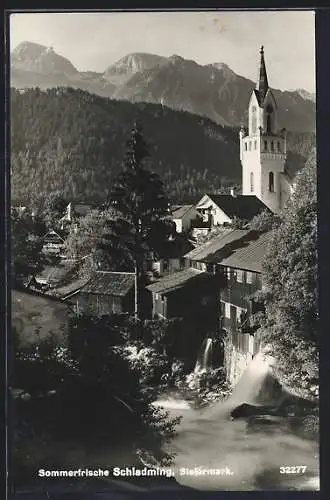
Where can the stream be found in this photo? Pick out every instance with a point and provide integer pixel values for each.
(242, 443)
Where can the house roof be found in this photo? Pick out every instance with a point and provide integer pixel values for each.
(109, 283)
(54, 234)
(180, 211)
(175, 281)
(242, 206)
(210, 250)
(81, 208)
(250, 254)
(55, 273)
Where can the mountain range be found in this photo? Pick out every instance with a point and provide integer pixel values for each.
(213, 91)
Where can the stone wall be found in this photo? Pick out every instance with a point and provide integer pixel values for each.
(235, 363)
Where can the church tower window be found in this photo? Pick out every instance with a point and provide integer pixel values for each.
(269, 111)
(251, 182)
(271, 182)
(279, 146)
(254, 120)
(272, 146)
(265, 146)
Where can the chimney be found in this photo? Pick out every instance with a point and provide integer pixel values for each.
(233, 192)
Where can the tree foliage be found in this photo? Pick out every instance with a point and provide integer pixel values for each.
(71, 141)
(92, 393)
(26, 245)
(291, 299)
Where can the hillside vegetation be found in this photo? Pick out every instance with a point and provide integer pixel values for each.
(69, 140)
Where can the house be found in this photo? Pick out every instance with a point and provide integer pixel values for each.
(105, 293)
(189, 294)
(53, 276)
(172, 255)
(206, 257)
(243, 273)
(182, 216)
(223, 209)
(53, 243)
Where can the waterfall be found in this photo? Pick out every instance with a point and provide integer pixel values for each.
(204, 357)
(257, 384)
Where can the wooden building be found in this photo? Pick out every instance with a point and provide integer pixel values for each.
(185, 294)
(53, 243)
(243, 273)
(106, 293)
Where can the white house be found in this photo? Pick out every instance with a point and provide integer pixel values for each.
(222, 209)
(182, 216)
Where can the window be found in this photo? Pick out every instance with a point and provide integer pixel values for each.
(251, 182)
(239, 276)
(265, 146)
(227, 310)
(269, 124)
(269, 111)
(271, 182)
(246, 146)
(272, 146)
(255, 144)
(254, 120)
(156, 296)
(249, 277)
(279, 146)
(250, 145)
(228, 273)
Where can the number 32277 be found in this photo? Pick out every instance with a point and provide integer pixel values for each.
(293, 469)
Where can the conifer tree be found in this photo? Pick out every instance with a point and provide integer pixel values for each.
(139, 198)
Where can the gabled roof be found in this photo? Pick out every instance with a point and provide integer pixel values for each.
(241, 206)
(53, 233)
(109, 283)
(210, 250)
(55, 273)
(175, 281)
(180, 211)
(250, 254)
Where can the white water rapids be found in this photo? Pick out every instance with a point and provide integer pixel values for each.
(254, 451)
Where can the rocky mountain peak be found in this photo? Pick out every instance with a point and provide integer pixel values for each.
(30, 56)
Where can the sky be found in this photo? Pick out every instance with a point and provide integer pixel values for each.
(95, 40)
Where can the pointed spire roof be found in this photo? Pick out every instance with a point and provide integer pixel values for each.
(262, 84)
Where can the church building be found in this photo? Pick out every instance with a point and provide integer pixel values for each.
(263, 147)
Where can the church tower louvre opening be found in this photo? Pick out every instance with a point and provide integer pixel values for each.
(263, 146)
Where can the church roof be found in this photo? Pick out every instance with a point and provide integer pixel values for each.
(241, 206)
(262, 84)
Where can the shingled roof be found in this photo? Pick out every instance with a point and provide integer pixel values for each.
(179, 211)
(209, 251)
(109, 283)
(175, 281)
(250, 254)
(241, 206)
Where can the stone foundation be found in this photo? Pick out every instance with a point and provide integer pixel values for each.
(235, 363)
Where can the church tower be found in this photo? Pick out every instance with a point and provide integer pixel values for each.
(263, 147)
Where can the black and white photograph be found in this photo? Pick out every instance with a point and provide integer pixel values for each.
(163, 259)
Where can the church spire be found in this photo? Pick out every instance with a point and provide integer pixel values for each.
(262, 84)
